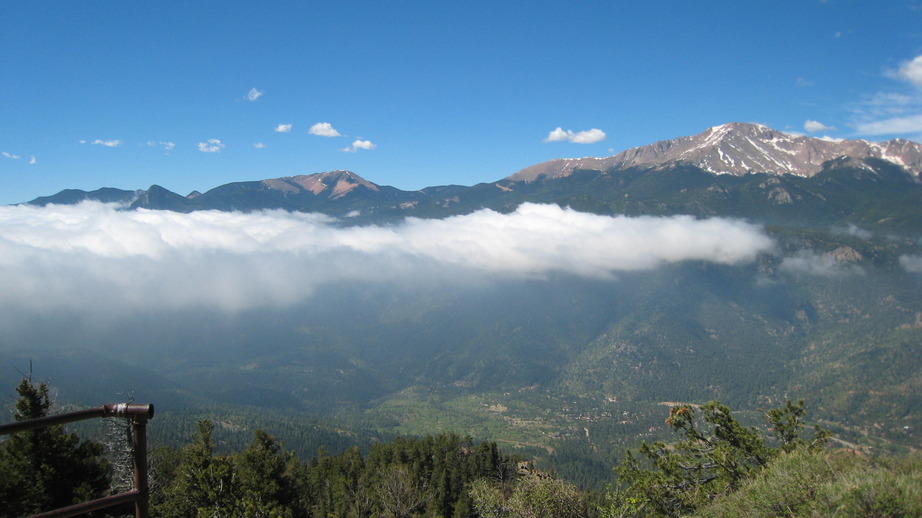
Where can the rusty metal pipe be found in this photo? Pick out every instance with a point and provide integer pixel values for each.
(128, 410)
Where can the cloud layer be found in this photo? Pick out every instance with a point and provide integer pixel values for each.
(94, 257)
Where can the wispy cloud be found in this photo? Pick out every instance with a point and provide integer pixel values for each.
(324, 129)
(96, 258)
(357, 145)
(254, 94)
(101, 142)
(211, 146)
(166, 145)
(853, 230)
(13, 156)
(891, 126)
(893, 112)
(283, 128)
(583, 137)
(259, 145)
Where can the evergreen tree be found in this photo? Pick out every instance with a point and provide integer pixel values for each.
(267, 478)
(205, 485)
(47, 468)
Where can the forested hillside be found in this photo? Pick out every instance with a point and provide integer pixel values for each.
(712, 465)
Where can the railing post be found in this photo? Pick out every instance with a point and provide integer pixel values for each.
(142, 504)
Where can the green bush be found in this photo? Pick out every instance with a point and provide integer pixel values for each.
(815, 484)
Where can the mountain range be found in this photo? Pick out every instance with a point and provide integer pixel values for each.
(733, 169)
(739, 149)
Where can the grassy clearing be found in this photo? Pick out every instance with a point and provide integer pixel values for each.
(482, 416)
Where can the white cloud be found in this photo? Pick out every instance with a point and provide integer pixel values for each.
(911, 71)
(583, 137)
(589, 137)
(31, 160)
(357, 145)
(816, 126)
(93, 257)
(254, 94)
(324, 129)
(259, 145)
(283, 128)
(911, 263)
(824, 265)
(557, 135)
(211, 146)
(101, 142)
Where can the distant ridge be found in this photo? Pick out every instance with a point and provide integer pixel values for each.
(738, 148)
(74, 196)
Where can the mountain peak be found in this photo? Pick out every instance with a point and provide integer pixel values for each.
(740, 148)
(334, 184)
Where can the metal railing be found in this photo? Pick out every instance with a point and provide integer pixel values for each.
(140, 494)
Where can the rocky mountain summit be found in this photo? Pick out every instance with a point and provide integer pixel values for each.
(738, 149)
(333, 184)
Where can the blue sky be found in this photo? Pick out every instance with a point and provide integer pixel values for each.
(191, 95)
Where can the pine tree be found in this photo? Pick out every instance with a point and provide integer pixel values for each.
(47, 468)
(267, 478)
(205, 484)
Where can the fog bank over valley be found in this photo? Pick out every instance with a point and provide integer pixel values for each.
(94, 257)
